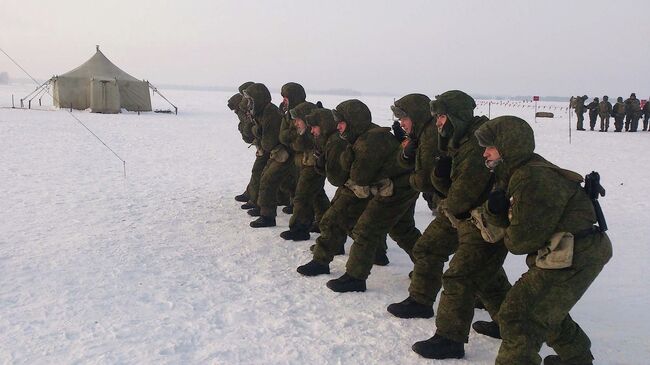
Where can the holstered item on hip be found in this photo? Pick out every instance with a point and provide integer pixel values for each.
(558, 253)
(279, 154)
(383, 188)
(489, 232)
(442, 209)
(360, 191)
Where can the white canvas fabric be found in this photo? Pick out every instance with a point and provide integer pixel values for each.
(101, 86)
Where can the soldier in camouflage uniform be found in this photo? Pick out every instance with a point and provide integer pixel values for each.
(646, 114)
(376, 196)
(604, 111)
(477, 265)
(632, 113)
(593, 113)
(375, 174)
(244, 126)
(548, 217)
(580, 111)
(420, 153)
(267, 120)
(618, 111)
(310, 201)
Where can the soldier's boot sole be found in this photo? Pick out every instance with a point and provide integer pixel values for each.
(346, 284)
(409, 308)
(438, 347)
(381, 259)
(254, 212)
(263, 221)
(248, 205)
(242, 197)
(555, 360)
(295, 235)
(313, 268)
(487, 328)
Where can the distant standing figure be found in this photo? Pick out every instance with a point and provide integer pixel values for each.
(619, 113)
(593, 113)
(604, 111)
(632, 113)
(646, 114)
(580, 111)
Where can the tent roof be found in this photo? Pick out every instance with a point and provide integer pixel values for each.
(99, 67)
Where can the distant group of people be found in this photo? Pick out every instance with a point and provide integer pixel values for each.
(630, 110)
(491, 192)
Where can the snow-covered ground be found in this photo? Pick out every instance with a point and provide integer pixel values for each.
(162, 267)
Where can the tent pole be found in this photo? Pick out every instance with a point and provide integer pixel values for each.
(155, 90)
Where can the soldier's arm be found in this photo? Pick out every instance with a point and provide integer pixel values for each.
(270, 130)
(536, 211)
(302, 142)
(335, 173)
(470, 183)
(370, 154)
(287, 131)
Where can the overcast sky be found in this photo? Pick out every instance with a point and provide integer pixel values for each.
(544, 47)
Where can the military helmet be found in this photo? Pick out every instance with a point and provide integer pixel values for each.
(605, 98)
(294, 92)
(245, 85)
(302, 110)
(596, 99)
(619, 99)
(453, 102)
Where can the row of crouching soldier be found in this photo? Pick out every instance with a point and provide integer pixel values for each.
(520, 203)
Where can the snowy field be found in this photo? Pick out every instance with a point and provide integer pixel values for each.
(161, 267)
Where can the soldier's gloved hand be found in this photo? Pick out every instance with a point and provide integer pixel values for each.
(399, 133)
(443, 169)
(498, 202)
(409, 150)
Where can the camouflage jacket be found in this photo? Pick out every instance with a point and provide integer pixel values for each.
(470, 182)
(329, 146)
(605, 108)
(266, 118)
(619, 109)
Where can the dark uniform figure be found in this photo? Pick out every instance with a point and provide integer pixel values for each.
(646, 114)
(604, 111)
(618, 111)
(477, 265)
(267, 119)
(310, 201)
(593, 113)
(550, 218)
(580, 111)
(632, 113)
(245, 129)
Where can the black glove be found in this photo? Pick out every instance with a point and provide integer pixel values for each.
(399, 133)
(498, 202)
(443, 168)
(410, 149)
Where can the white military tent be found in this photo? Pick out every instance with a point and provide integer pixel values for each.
(101, 86)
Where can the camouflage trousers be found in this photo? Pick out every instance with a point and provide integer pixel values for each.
(431, 251)
(273, 176)
(593, 117)
(604, 123)
(393, 215)
(310, 201)
(632, 122)
(337, 223)
(536, 310)
(581, 118)
(645, 121)
(475, 270)
(618, 123)
(256, 174)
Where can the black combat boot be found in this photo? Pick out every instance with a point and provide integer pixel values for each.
(248, 205)
(438, 347)
(409, 308)
(314, 228)
(490, 329)
(313, 268)
(340, 251)
(254, 212)
(263, 221)
(288, 209)
(243, 197)
(555, 360)
(298, 232)
(346, 283)
(381, 259)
